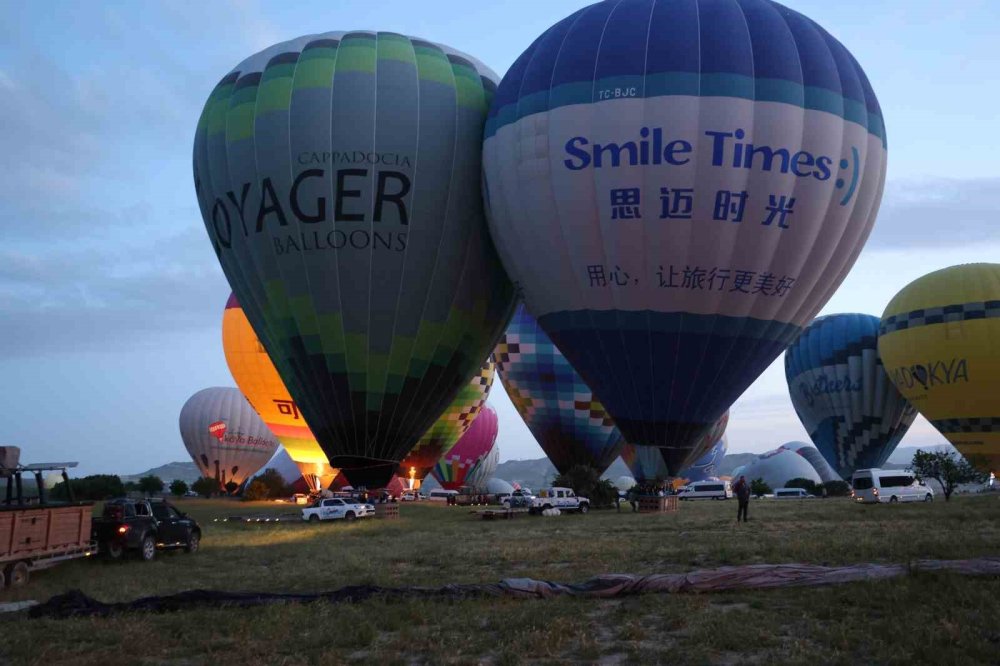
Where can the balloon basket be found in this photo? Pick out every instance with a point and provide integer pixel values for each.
(655, 504)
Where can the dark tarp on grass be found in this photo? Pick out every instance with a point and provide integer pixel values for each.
(753, 576)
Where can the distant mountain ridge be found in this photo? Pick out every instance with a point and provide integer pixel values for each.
(539, 472)
(185, 471)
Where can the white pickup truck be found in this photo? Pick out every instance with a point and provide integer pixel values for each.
(337, 508)
(563, 499)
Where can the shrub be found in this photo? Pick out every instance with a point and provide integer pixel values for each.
(178, 488)
(759, 488)
(837, 488)
(257, 490)
(232, 487)
(151, 484)
(205, 486)
(95, 487)
(275, 483)
(807, 485)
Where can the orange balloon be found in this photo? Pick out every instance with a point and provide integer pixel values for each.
(259, 381)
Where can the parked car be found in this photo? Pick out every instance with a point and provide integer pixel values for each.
(411, 496)
(191, 493)
(144, 526)
(441, 495)
(873, 486)
(717, 490)
(336, 508)
(563, 499)
(792, 493)
(519, 499)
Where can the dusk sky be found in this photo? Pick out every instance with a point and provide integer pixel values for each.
(111, 298)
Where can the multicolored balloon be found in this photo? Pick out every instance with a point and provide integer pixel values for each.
(458, 467)
(245, 444)
(842, 394)
(449, 428)
(259, 381)
(940, 342)
(339, 178)
(558, 407)
(649, 465)
(677, 187)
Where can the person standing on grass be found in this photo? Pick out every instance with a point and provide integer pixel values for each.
(742, 490)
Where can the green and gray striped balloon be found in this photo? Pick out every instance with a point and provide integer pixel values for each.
(339, 179)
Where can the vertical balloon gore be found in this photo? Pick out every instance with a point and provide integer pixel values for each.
(677, 187)
(339, 179)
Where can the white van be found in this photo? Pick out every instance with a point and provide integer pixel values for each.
(791, 493)
(889, 485)
(441, 495)
(720, 490)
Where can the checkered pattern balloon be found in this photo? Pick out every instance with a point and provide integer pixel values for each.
(562, 413)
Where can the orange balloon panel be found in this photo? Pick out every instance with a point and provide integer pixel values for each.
(260, 382)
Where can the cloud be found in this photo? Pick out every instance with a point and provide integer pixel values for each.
(77, 300)
(935, 212)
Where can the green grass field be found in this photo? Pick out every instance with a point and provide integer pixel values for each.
(934, 619)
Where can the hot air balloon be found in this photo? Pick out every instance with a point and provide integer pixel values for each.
(649, 465)
(707, 466)
(450, 427)
(814, 458)
(559, 409)
(940, 341)
(677, 187)
(339, 178)
(842, 394)
(458, 467)
(226, 438)
(260, 383)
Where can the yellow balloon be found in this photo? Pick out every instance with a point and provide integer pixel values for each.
(259, 381)
(939, 340)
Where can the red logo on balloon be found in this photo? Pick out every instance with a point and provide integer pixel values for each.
(217, 429)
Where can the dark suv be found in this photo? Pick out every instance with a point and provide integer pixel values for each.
(143, 526)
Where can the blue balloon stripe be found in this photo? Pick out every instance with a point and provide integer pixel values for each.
(667, 84)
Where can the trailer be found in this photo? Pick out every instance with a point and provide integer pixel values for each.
(35, 532)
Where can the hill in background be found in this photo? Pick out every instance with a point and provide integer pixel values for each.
(185, 471)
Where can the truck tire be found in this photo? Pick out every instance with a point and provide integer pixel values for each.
(193, 542)
(114, 550)
(546, 507)
(17, 574)
(349, 516)
(314, 518)
(584, 507)
(147, 548)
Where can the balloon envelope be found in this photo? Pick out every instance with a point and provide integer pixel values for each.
(339, 177)
(246, 443)
(677, 187)
(707, 466)
(457, 468)
(648, 464)
(842, 394)
(449, 428)
(940, 342)
(259, 381)
(558, 407)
